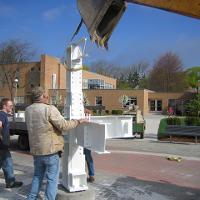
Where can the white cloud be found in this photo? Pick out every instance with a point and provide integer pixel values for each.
(53, 13)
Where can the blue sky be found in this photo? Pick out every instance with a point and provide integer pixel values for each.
(143, 33)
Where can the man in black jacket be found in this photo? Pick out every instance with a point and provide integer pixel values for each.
(6, 162)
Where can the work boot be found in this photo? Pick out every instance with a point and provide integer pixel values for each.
(91, 179)
(14, 184)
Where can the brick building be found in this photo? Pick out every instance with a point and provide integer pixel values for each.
(148, 101)
(100, 90)
(50, 74)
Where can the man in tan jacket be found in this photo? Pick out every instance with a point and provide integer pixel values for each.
(45, 125)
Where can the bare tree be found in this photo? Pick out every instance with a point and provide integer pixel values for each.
(127, 77)
(167, 74)
(105, 68)
(13, 52)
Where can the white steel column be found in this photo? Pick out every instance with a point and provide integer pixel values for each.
(74, 177)
(92, 135)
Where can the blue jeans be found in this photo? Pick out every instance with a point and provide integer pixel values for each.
(89, 161)
(6, 164)
(47, 165)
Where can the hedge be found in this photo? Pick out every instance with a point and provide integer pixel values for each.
(182, 121)
(117, 112)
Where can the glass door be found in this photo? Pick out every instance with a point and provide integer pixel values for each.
(159, 105)
(155, 105)
(152, 105)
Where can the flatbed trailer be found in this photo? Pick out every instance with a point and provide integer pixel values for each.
(18, 127)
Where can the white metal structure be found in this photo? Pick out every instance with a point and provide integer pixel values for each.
(73, 164)
(90, 135)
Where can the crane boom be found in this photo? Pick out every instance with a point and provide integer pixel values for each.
(190, 8)
(102, 16)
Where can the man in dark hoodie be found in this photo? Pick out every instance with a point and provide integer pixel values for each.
(6, 162)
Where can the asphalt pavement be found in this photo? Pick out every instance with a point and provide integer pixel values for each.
(135, 169)
(128, 173)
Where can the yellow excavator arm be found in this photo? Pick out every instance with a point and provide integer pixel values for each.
(102, 16)
(190, 8)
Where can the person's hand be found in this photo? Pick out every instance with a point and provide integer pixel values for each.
(1, 138)
(80, 121)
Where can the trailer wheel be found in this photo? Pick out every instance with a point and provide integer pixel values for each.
(23, 142)
(142, 135)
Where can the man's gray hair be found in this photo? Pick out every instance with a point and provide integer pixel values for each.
(37, 92)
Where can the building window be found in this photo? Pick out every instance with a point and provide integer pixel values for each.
(108, 86)
(19, 99)
(102, 84)
(131, 101)
(85, 84)
(171, 102)
(152, 105)
(159, 105)
(98, 101)
(96, 84)
(53, 81)
(155, 105)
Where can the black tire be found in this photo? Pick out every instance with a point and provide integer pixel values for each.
(23, 142)
(142, 135)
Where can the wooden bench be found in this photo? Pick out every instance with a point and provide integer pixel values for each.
(177, 130)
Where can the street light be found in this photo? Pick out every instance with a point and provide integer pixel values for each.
(15, 95)
(15, 85)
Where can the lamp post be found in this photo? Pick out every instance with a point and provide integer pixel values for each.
(15, 95)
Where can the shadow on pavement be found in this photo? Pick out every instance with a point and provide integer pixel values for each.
(128, 188)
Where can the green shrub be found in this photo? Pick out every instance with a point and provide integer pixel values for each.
(188, 121)
(174, 121)
(162, 127)
(192, 121)
(117, 112)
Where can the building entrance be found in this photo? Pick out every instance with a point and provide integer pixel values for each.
(155, 105)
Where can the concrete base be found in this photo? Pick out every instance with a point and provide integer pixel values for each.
(63, 194)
